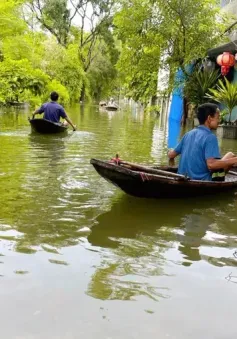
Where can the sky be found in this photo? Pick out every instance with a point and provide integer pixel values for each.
(77, 19)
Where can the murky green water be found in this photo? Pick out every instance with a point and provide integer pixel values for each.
(80, 259)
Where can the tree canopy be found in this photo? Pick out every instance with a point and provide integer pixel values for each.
(92, 48)
(49, 39)
(168, 34)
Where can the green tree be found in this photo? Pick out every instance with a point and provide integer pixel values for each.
(197, 85)
(20, 82)
(10, 23)
(53, 16)
(173, 33)
(56, 17)
(28, 45)
(140, 53)
(64, 66)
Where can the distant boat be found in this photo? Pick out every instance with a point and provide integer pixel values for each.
(111, 107)
(102, 103)
(19, 104)
(44, 126)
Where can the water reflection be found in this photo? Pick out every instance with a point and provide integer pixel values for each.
(158, 143)
(145, 238)
(48, 146)
(194, 228)
(42, 196)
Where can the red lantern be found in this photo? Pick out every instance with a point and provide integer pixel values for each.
(225, 60)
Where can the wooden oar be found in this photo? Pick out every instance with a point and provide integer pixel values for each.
(153, 170)
(232, 173)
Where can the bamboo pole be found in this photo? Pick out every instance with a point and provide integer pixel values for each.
(232, 173)
(153, 170)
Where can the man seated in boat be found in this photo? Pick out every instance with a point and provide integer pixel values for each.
(200, 157)
(111, 102)
(53, 111)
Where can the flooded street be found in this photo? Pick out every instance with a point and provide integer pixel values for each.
(81, 259)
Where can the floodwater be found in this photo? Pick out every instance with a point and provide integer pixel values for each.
(80, 259)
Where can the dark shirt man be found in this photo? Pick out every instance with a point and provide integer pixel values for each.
(53, 111)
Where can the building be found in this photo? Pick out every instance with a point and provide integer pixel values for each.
(229, 6)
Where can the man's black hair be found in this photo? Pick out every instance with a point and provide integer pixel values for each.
(54, 96)
(204, 111)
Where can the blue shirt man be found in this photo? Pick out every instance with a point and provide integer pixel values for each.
(195, 148)
(199, 151)
(53, 111)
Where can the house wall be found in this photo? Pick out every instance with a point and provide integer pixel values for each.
(229, 6)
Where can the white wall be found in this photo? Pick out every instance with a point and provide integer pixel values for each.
(229, 6)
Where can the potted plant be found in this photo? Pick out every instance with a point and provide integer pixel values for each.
(197, 85)
(226, 94)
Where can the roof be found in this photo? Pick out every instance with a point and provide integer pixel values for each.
(229, 47)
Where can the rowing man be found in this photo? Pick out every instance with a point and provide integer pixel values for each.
(53, 111)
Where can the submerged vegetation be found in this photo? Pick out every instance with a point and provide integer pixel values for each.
(97, 48)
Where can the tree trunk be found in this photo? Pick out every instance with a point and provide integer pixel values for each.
(185, 112)
(83, 94)
(153, 100)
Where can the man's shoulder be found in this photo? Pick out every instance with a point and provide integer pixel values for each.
(198, 134)
(54, 105)
(190, 133)
(211, 138)
(201, 131)
(59, 106)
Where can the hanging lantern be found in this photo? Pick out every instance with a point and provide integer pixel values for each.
(225, 60)
(236, 56)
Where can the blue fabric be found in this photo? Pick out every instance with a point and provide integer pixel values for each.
(195, 148)
(176, 108)
(174, 128)
(52, 111)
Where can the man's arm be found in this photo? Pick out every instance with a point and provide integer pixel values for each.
(213, 157)
(38, 111)
(215, 164)
(74, 127)
(172, 154)
(34, 113)
(64, 115)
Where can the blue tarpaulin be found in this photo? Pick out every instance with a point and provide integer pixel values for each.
(176, 112)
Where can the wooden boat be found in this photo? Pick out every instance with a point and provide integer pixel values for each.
(19, 104)
(111, 107)
(44, 126)
(159, 182)
(102, 103)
